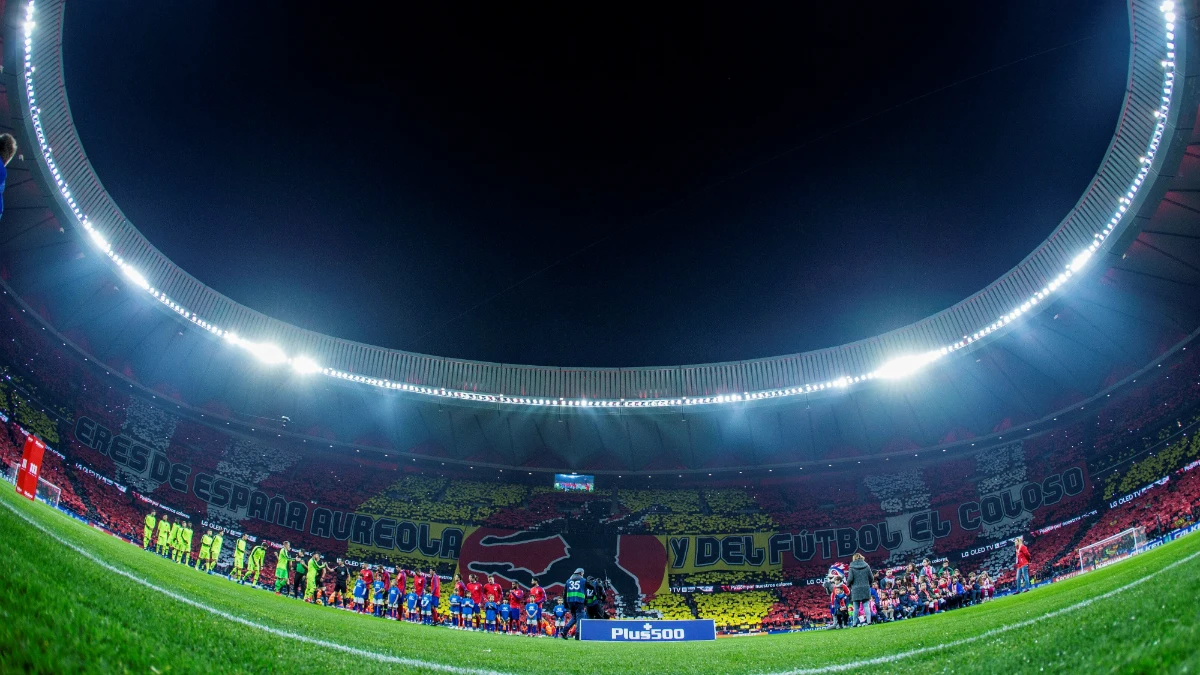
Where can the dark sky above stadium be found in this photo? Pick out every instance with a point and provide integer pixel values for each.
(598, 184)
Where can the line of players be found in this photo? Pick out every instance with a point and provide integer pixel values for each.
(472, 605)
(174, 540)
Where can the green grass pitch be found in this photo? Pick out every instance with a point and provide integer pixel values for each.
(62, 612)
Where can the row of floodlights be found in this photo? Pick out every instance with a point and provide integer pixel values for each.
(899, 367)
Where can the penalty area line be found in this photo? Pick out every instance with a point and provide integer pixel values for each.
(375, 656)
(892, 658)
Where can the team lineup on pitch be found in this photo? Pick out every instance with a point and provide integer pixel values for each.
(1113, 591)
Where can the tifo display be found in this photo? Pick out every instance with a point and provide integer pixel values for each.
(752, 554)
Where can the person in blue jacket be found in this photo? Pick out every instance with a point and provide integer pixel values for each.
(532, 618)
(8, 150)
(394, 602)
(379, 596)
(427, 608)
(360, 595)
(469, 613)
(560, 617)
(575, 588)
(456, 611)
(505, 615)
(489, 614)
(410, 600)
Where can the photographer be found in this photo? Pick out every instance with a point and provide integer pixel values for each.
(595, 597)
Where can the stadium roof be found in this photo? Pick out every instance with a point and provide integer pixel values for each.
(1111, 289)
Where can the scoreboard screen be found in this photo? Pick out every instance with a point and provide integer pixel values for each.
(574, 482)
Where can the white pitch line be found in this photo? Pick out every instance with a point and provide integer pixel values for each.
(376, 656)
(892, 658)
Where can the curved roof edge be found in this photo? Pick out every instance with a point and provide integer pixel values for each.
(1127, 180)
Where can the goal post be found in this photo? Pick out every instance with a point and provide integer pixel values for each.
(1109, 550)
(46, 491)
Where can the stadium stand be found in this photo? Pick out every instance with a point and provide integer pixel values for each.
(669, 606)
(727, 577)
(735, 611)
(728, 501)
(545, 504)
(701, 524)
(494, 495)
(798, 604)
(1156, 465)
(673, 501)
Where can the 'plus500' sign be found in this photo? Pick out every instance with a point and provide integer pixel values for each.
(652, 634)
(647, 630)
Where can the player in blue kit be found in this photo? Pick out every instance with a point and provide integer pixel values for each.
(456, 610)
(360, 595)
(532, 618)
(489, 614)
(560, 617)
(379, 595)
(468, 613)
(394, 602)
(411, 601)
(427, 608)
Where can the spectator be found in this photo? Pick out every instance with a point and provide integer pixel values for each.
(8, 150)
(859, 578)
(1022, 566)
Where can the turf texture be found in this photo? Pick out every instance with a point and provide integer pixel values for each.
(61, 611)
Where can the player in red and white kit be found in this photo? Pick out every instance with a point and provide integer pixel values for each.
(402, 581)
(434, 586)
(537, 595)
(475, 590)
(491, 588)
(516, 600)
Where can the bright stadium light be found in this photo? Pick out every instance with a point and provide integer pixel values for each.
(894, 368)
(266, 352)
(99, 240)
(903, 366)
(136, 277)
(305, 365)
(1081, 260)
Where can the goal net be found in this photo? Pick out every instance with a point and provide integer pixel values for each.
(1117, 547)
(46, 491)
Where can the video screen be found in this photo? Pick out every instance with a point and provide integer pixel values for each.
(574, 482)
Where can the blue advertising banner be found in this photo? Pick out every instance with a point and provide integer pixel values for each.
(647, 630)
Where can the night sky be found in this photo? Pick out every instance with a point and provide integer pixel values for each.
(603, 185)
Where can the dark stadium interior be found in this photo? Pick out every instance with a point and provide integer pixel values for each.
(505, 141)
(732, 492)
